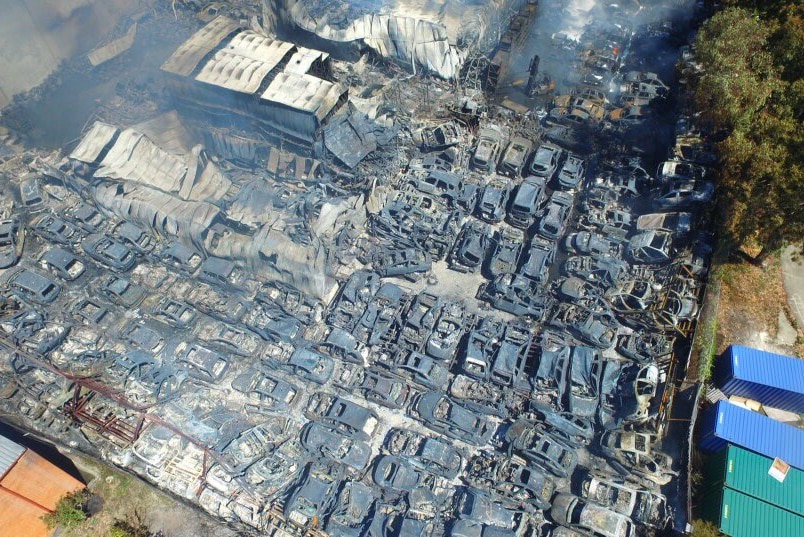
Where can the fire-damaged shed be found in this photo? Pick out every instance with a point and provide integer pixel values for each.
(238, 70)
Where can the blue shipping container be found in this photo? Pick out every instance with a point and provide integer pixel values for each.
(726, 423)
(772, 379)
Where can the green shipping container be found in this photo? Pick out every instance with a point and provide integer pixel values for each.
(747, 472)
(739, 515)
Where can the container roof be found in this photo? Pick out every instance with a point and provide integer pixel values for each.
(767, 368)
(759, 433)
(747, 472)
(744, 516)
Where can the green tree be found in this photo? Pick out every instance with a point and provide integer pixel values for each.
(740, 77)
(70, 510)
(752, 94)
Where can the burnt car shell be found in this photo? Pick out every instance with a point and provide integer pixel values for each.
(63, 264)
(134, 237)
(576, 512)
(445, 415)
(541, 448)
(350, 418)
(478, 506)
(55, 229)
(385, 391)
(121, 290)
(312, 498)
(650, 247)
(331, 444)
(12, 239)
(545, 161)
(513, 160)
(572, 173)
(487, 150)
(526, 201)
(352, 510)
(394, 474)
(265, 392)
(681, 194)
(311, 365)
(554, 215)
(109, 252)
(492, 203)
(34, 287)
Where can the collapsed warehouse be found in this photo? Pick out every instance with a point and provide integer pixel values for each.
(401, 292)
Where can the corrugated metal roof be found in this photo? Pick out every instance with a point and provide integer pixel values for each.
(245, 62)
(20, 517)
(728, 423)
(186, 58)
(304, 92)
(767, 368)
(37, 479)
(744, 516)
(9, 453)
(747, 472)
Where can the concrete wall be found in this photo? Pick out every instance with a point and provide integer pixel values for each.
(36, 35)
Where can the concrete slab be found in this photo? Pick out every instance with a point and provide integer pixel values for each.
(786, 334)
(793, 275)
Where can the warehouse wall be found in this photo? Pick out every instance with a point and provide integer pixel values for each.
(36, 35)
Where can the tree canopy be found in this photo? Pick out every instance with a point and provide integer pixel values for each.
(751, 92)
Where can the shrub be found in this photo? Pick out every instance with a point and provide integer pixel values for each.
(704, 528)
(70, 510)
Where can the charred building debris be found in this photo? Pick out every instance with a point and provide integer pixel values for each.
(352, 301)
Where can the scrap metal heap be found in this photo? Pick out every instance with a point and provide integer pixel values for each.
(480, 342)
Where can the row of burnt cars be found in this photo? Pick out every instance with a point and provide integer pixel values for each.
(396, 409)
(186, 350)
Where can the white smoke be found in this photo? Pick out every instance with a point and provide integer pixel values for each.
(577, 15)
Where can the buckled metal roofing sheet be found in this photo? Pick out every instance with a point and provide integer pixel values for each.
(92, 144)
(187, 57)
(303, 59)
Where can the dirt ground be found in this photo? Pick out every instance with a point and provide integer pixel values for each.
(125, 497)
(754, 309)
